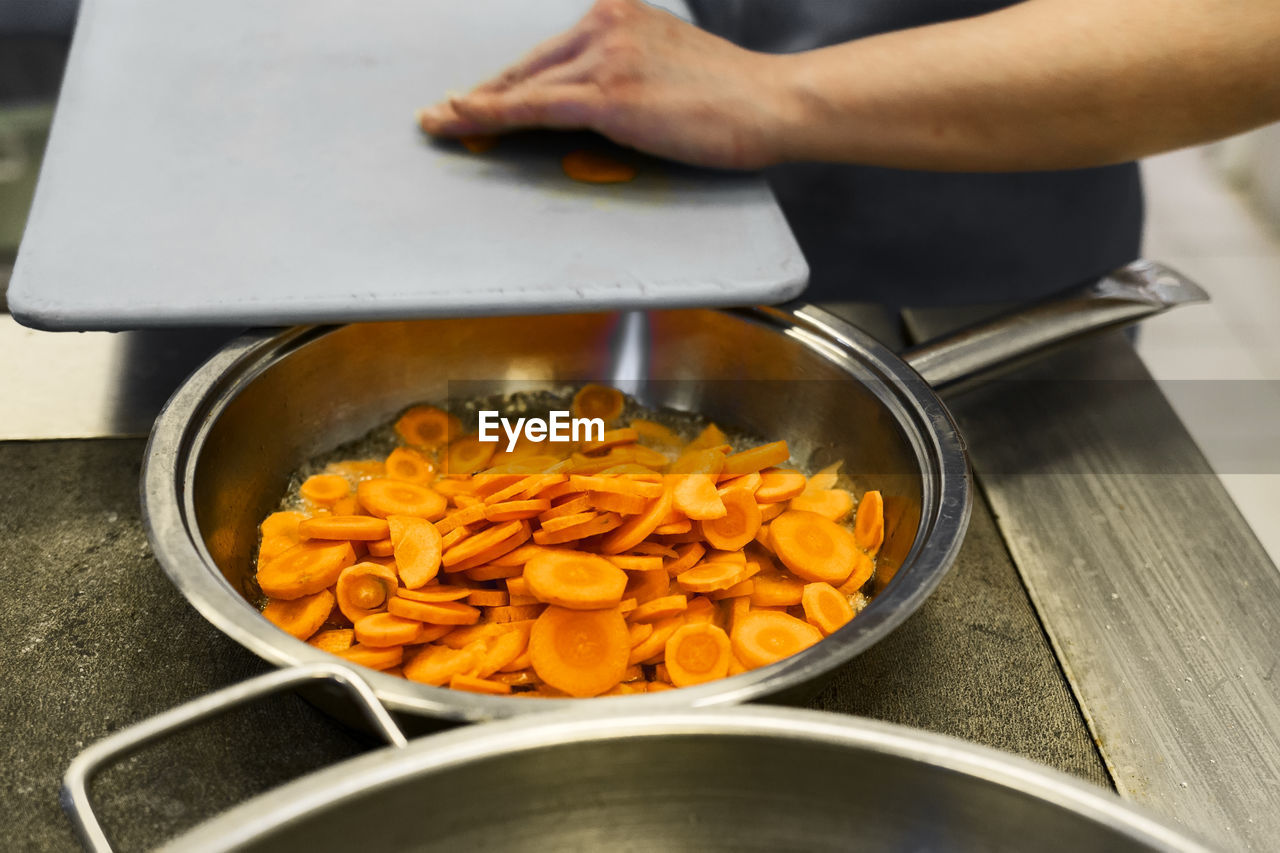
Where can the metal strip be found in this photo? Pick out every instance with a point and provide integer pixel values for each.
(1162, 606)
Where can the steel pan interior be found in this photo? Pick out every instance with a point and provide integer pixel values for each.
(224, 448)
(725, 780)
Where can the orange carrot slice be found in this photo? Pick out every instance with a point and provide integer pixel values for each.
(696, 496)
(472, 684)
(437, 664)
(427, 426)
(418, 547)
(756, 459)
(334, 640)
(324, 489)
(656, 641)
(831, 504)
(405, 463)
(384, 497)
(582, 652)
(300, 617)
(863, 567)
(380, 630)
(611, 438)
(514, 510)
(363, 589)
(597, 401)
(434, 612)
(779, 484)
(825, 608)
(712, 576)
(468, 455)
(373, 657)
(813, 547)
(774, 588)
(360, 527)
(434, 593)
(697, 653)
(659, 609)
(763, 637)
(738, 526)
(637, 527)
(575, 580)
(868, 524)
(305, 569)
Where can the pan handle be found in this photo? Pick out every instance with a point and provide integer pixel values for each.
(75, 784)
(1138, 290)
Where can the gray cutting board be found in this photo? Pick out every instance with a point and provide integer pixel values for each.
(255, 162)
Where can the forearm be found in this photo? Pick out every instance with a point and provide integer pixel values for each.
(1043, 84)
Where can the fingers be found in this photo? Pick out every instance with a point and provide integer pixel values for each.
(563, 106)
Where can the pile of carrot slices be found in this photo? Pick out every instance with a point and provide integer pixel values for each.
(631, 564)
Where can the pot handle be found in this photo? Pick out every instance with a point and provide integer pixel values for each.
(1135, 291)
(75, 784)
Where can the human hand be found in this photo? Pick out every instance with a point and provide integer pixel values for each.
(644, 79)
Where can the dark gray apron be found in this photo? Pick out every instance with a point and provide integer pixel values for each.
(929, 238)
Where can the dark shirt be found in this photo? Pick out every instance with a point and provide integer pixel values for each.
(931, 238)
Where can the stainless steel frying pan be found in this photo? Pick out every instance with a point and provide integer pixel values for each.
(224, 447)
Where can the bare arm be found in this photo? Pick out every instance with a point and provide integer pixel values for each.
(1043, 84)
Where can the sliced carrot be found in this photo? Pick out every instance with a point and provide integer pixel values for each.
(300, 617)
(418, 547)
(696, 496)
(493, 572)
(305, 569)
(738, 526)
(273, 546)
(383, 497)
(434, 612)
(481, 542)
(674, 528)
(381, 547)
(514, 510)
(824, 479)
(756, 459)
(602, 523)
(454, 536)
(813, 547)
(712, 576)
(363, 589)
(516, 612)
(468, 455)
(774, 588)
(768, 512)
(565, 521)
(593, 167)
(435, 592)
(831, 504)
(659, 608)
(825, 608)
(493, 552)
(505, 647)
(656, 641)
(638, 485)
(462, 681)
(686, 557)
(576, 503)
(282, 524)
(518, 556)
(427, 426)
(779, 484)
(637, 527)
(614, 502)
(708, 461)
(750, 482)
(763, 637)
(863, 567)
(582, 652)
(334, 640)
(597, 401)
(373, 657)
(362, 527)
(405, 463)
(697, 653)
(868, 523)
(711, 436)
(462, 517)
(634, 563)
(655, 549)
(437, 664)
(611, 438)
(575, 580)
(645, 586)
(380, 630)
(638, 632)
(739, 589)
(324, 489)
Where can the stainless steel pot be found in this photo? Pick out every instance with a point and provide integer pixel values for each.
(224, 447)
(730, 779)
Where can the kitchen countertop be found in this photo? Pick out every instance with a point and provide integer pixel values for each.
(98, 638)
